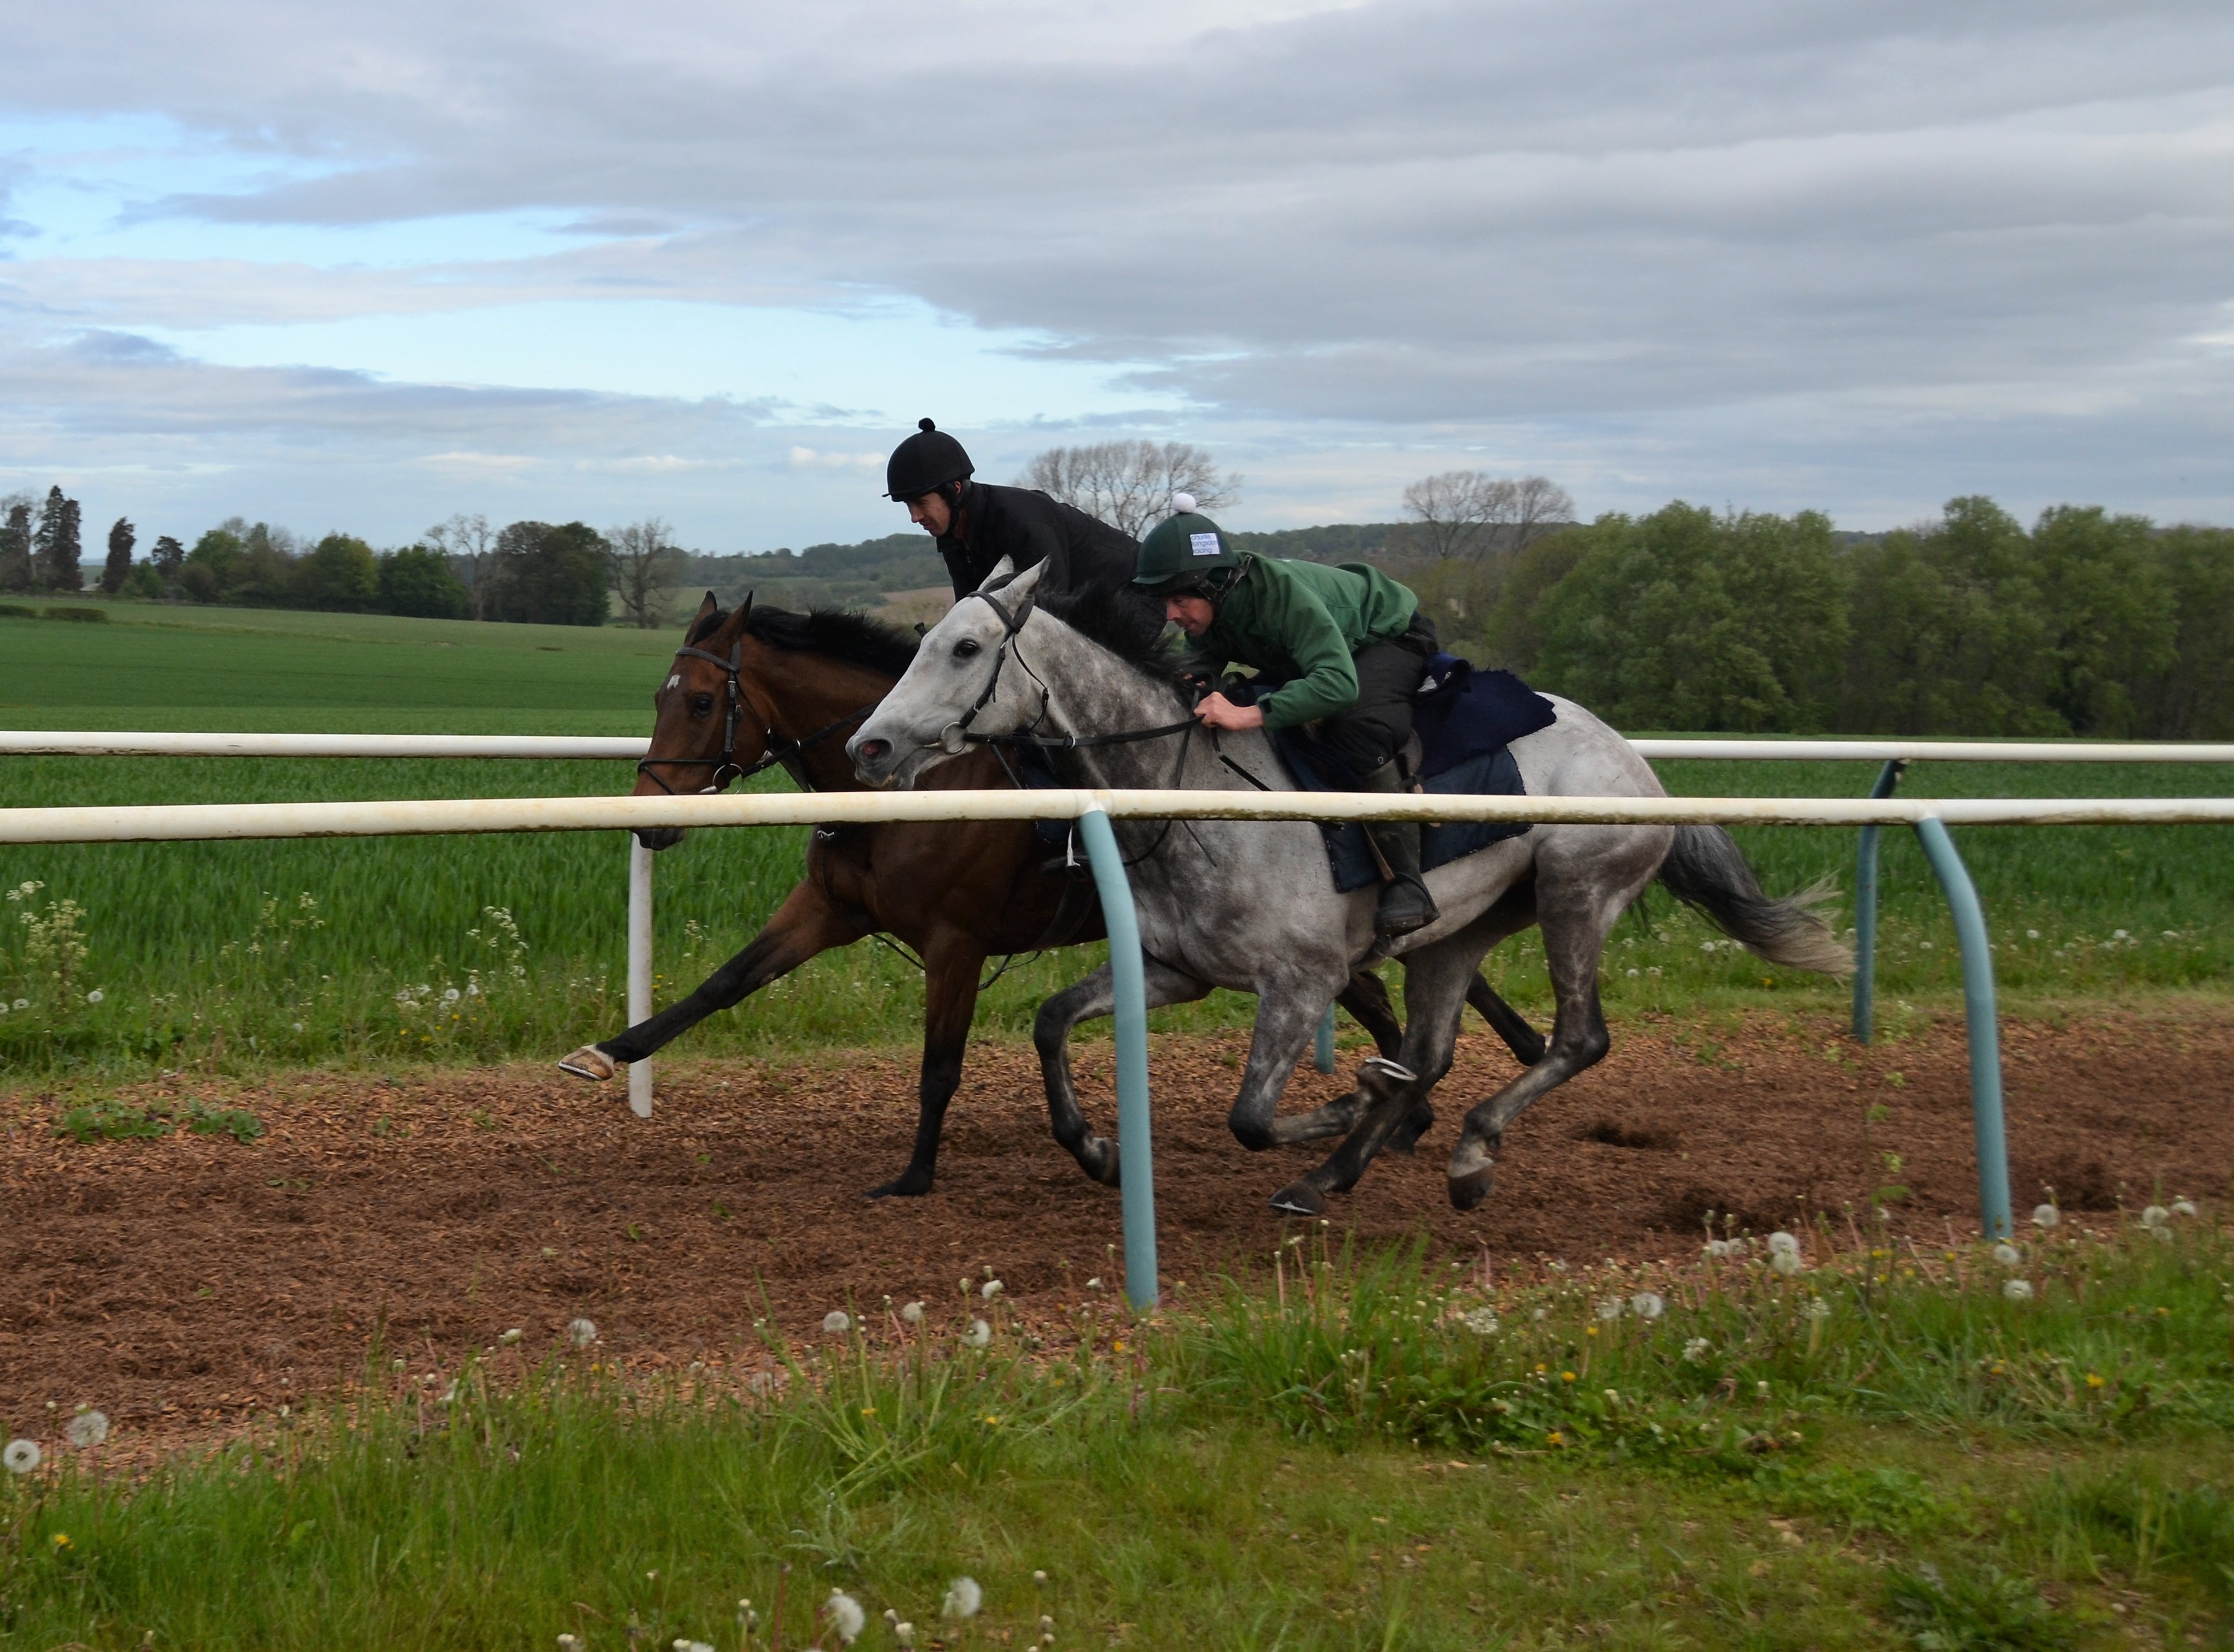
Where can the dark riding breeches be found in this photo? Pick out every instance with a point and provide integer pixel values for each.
(1374, 727)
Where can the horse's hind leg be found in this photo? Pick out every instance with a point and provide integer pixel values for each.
(1083, 1001)
(1525, 1041)
(1591, 881)
(951, 964)
(805, 924)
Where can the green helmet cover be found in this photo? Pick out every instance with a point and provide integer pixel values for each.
(1182, 548)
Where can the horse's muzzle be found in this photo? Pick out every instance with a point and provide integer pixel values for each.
(657, 837)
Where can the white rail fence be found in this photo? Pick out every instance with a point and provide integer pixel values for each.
(1093, 810)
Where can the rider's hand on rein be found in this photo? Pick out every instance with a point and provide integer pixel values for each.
(1218, 712)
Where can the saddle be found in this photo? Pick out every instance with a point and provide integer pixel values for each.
(1463, 724)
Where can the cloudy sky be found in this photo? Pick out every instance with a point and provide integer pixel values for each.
(363, 267)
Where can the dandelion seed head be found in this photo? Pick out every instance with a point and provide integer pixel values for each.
(2008, 1255)
(1609, 1309)
(1817, 1307)
(978, 1335)
(21, 1456)
(2155, 1217)
(2046, 1216)
(1482, 1321)
(845, 1616)
(1094, 1283)
(581, 1332)
(2183, 1207)
(511, 1337)
(96, 995)
(904, 1633)
(86, 1428)
(1785, 1262)
(1648, 1305)
(837, 1321)
(2017, 1290)
(964, 1597)
(990, 1289)
(1696, 1349)
(913, 1313)
(1781, 1243)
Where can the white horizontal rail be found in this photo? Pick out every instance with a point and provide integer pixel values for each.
(1942, 751)
(206, 821)
(34, 743)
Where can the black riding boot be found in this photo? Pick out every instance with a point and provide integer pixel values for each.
(1405, 903)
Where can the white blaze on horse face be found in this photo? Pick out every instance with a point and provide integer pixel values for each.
(675, 681)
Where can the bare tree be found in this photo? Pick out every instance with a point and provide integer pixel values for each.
(646, 567)
(1531, 506)
(468, 543)
(1468, 512)
(1129, 484)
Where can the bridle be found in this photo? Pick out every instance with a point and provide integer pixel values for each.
(726, 768)
(956, 734)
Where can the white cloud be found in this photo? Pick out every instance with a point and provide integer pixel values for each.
(1877, 249)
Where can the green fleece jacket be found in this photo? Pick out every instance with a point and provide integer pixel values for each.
(1303, 621)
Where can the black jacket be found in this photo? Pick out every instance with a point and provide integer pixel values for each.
(1028, 527)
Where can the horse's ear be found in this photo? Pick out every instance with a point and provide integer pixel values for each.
(734, 627)
(1004, 571)
(1023, 592)
(706, 610)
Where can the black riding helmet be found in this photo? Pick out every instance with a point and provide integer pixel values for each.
(926, 462)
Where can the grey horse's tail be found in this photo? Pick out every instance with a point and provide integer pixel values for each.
(1707, 873)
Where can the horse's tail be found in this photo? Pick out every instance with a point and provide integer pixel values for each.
(1707, 873)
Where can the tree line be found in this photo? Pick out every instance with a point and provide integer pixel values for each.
(2086, 623)
(537, 572)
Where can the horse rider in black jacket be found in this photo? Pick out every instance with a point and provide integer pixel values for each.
(976, 523)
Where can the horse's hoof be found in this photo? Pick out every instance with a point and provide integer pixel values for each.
(909, 1184)
(1469, 1190)
(1299, 1198)
(1097, 1157)
(589, 1063)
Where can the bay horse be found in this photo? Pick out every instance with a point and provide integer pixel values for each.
(1249, 904)
(759, 686)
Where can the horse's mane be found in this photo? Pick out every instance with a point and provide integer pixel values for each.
(838, 633)
(1122, 620)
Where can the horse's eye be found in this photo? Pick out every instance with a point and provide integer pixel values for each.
(701, 704)
(966, 648)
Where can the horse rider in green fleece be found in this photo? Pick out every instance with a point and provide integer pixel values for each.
(1349, 644)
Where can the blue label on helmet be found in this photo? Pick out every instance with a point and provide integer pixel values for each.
(1206, 544)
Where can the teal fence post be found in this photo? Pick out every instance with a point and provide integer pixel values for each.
(1985, 1031)
(1865, 911)
(1135, 1155)
(1323, 1046)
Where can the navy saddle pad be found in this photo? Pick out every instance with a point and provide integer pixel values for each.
(1466, 720)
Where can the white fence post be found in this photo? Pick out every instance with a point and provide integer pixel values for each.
(639, 969)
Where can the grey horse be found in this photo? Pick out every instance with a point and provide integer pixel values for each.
(1251, 905)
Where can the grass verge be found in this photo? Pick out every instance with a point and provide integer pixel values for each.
(1346, 1452)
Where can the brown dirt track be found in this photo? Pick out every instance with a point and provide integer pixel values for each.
(180, 1283)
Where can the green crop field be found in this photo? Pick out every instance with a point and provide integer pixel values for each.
(343, 951)
(1831, 1446)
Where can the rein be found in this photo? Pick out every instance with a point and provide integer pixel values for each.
(958, 733)
(726, 768)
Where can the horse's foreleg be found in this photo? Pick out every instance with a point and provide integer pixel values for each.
(805, 924)
(1287, 1015)
(1096, 1155)
(1366, 997)
(1393, 1096)
(951, 964)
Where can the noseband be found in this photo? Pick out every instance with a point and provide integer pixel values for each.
(726, 766)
